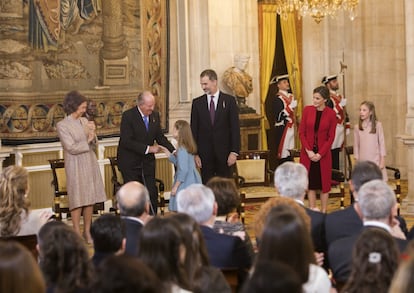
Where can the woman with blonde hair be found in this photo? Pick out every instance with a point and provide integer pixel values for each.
(15, 217)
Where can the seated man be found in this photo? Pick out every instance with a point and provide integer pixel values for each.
(133, 203)
(224, 251)
(350, 219)
(378, 206)
(108, 234)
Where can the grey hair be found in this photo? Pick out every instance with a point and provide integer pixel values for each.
(376, 200)
(197, 201)
(291, 180)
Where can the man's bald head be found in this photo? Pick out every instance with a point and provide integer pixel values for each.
(133, 198)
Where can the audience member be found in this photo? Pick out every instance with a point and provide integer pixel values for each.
(19, 271)
(133, 203)
(108, 234)
(121, 273)
(202, 276)
(15, 216)
(272, 276)
(227, 219)
(291, 180)
(224, 250)
(286, 239)
(64, 259)
(403, 281)
(162, 248)
(378, 207)
(374, 261)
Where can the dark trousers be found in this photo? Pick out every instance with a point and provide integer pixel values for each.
(335, 158)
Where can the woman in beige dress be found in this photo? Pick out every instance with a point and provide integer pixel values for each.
(83, 178)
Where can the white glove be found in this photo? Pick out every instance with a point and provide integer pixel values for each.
(293, 104)
(343, 102)
(347, 131)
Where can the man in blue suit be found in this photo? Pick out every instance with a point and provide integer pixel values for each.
(140, 127)
(216, 129)
(224, 251)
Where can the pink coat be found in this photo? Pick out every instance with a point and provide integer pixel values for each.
(325, 137)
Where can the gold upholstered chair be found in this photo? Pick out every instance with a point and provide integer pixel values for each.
(60, 201)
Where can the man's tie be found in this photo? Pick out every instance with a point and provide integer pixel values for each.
(212, 109)
(146, 122)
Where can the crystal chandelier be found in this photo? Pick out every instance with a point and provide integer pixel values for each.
(318, 9)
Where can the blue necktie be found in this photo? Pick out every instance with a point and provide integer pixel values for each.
(146, 122)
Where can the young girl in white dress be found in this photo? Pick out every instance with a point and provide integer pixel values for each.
(369, 143)
(186, 172)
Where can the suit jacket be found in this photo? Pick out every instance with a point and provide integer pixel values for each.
(325, 137)
(317, 229)
(225, 251)
(350, 224)
(340, 254)
(132, 231)
(135, 138)
(219, 140)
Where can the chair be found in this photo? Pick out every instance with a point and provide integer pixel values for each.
(337, 180)
(28, 241)
(253, 176)
(60, 200)
(117, 182)
(395, 184)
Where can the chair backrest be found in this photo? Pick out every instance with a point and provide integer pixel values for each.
(28, 241)
(59, 176)
(116, 179)
(253, 167)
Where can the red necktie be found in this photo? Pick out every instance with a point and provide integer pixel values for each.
(212, 110)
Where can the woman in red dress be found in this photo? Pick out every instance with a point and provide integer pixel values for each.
(317, 133)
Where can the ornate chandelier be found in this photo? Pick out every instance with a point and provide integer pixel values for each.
(318, 9)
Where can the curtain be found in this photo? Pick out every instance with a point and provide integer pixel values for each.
(267, 45)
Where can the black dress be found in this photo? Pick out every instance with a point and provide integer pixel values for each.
(315, 182)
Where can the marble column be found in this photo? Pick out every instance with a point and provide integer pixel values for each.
(114, 59)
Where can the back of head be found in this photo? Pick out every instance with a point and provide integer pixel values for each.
(291, 180)
(376, 200)
(225, 193)
(19, 271)
(286, 239)
(133, 198)
(197, 201)
(375, 259)
(13, 199)
(107, 232)
(161, 245)
(127, 275)
(64, 258)
(363, 172)
(272, 276)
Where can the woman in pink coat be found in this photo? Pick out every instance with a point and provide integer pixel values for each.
(317, 133)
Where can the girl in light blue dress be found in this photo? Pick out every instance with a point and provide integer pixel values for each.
(183, 159)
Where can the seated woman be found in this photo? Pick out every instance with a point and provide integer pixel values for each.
(162, 247)
(227, 220)
(64, 259)
(375, 259)
(286, 238)
(15, 216)
(203, 276)
(19, 271)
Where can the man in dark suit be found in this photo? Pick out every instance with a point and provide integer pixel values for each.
(378, 207)
(224, 251)
(347, 222)
(291, 180)
(133, 204)
(140, 127)
(216, 129)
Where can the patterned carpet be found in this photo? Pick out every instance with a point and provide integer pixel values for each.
(333, 205)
